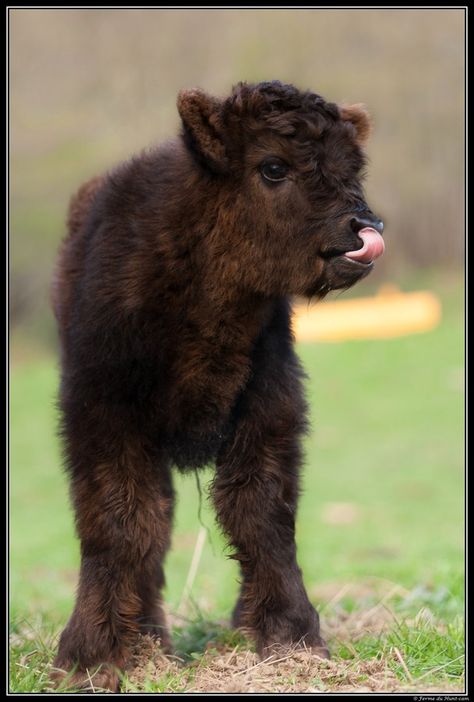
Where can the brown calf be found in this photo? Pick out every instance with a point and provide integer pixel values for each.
(172, 296)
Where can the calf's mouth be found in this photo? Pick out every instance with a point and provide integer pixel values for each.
(349, 263)
(373, 246)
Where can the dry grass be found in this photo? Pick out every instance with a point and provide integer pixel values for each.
(371, 650)
(242, 671)
(227, 668)
(236, 671)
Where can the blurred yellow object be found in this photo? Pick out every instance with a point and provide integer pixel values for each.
(389, 313)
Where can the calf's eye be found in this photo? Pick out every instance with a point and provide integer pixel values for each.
(274, 169)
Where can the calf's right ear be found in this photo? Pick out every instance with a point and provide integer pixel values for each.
(203, 128)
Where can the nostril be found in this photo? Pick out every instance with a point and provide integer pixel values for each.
(358, 223)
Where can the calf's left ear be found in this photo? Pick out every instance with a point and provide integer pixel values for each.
(203, 128)
(358, 116)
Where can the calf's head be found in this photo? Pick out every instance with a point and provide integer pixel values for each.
(285, 168)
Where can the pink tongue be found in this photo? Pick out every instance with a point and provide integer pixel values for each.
(373, 247)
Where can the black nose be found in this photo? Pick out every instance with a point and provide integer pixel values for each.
(358, 223)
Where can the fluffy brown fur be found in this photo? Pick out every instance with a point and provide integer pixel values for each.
(172, 299)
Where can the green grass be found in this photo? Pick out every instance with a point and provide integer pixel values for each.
(387, 442)
(426, 650)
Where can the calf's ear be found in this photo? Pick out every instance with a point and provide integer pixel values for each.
(358, 116)
(203, 128)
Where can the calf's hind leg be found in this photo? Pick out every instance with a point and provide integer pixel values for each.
(123, 511)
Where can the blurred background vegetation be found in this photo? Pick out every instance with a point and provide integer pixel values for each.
(89, 88)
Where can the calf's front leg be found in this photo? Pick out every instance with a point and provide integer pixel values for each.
(123, 515)
(255, 492)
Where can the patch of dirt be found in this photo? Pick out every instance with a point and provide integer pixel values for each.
(224, 669)
(298, 671)
(340, 513)
(237, 671)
